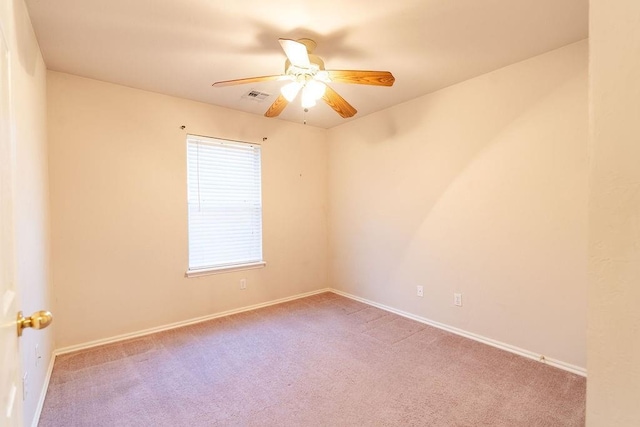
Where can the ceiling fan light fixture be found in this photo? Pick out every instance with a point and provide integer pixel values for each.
(290, 90)
(315, 88)
(308, 98)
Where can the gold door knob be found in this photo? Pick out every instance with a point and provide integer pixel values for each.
(38, 320)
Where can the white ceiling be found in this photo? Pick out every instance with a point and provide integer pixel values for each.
(181, 47)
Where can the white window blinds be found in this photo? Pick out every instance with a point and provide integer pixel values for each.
(225, 204)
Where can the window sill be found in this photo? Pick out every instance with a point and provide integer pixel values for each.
(225, 269)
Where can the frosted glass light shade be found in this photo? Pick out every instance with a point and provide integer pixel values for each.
(290, 90)
(315, 88)
(308, 100)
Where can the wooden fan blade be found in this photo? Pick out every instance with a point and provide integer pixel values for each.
(362, 77)
(338, 103)
(276, 108)
(296, 52)
(245, 81)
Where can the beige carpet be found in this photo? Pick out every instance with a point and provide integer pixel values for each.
(319, 361)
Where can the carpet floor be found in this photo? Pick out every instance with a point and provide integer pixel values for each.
(324, 360)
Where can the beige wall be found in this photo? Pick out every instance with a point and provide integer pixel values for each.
(119, 215)
(32, 197)
(613, 389)
(480, 188)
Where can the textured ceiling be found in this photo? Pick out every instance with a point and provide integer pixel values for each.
(180, 47)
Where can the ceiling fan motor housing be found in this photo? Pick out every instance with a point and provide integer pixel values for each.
(316, 64)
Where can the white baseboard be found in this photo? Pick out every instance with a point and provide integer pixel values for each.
(43, 392)
(503, 346)
(494, 343)
(180, 324)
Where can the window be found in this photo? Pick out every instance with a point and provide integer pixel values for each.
(225, 205)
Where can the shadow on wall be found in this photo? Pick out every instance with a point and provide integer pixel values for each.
(479, 187)
(408, 157)
(416, 150)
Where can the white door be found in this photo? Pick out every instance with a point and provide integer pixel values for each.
(10, 378)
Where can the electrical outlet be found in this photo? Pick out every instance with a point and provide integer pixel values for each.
(243, 284)
(457, 300)
(420, 290)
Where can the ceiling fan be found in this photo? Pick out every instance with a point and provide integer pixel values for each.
(306, 74)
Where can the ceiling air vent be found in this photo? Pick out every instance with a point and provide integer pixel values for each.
(255, 95)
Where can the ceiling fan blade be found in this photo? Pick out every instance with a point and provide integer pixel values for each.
(248, 80)
(276, 108)
(338, 103)
(362, 77)
(296, 52)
